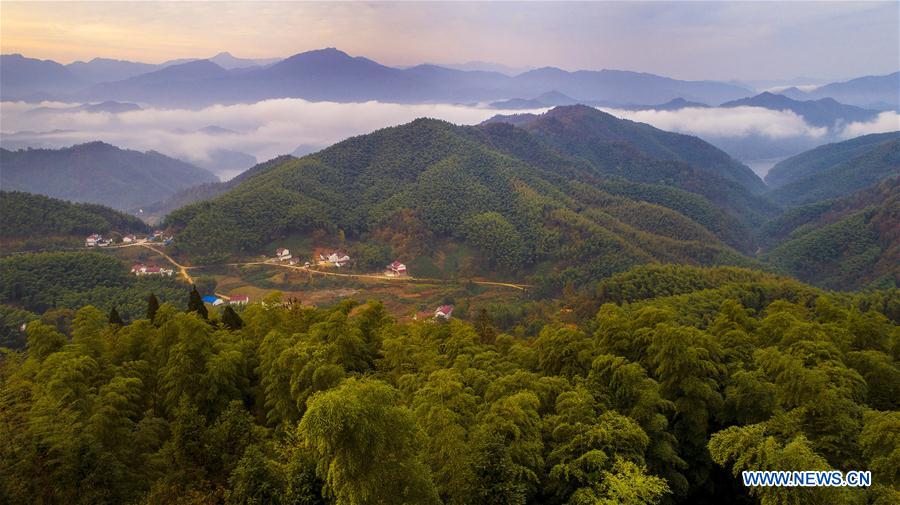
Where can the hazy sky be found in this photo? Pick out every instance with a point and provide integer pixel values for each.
(691, 40)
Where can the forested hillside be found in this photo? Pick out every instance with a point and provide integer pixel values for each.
(100, 173)
(580, 136)
(515, 199)
(663, 396)
(842, 244)
(206, 191)
(836, 170)
(34, 221)
(33, 284)
(590, 133)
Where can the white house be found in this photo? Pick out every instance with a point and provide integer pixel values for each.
(128, 239)
(92, 240)
(282, 254)
(336, 258)
(443, 312)
(141, 269)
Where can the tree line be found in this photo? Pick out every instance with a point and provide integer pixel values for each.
(652, 398)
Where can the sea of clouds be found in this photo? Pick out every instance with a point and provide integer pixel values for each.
(272, 127)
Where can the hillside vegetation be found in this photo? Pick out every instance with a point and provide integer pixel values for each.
(664, 397)
(99, 173)
(845, 243)
(34, 221)
(595, 135)
(70, 280)
(835, 170)
(156, 211)
(518, 201)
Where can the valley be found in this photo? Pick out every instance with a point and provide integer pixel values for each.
(479, 253)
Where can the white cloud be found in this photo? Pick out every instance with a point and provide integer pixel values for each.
(888, 121)
(263, 129)
(726, 122)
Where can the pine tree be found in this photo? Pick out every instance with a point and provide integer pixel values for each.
(114, 317)
(485, 328)
(231, 319)
(195, 304)
(152, 307)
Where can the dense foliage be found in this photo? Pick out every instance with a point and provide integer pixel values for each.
(206, 191)
(662, 397)
(825, 180)
(808, 163)
(38, 282)
(847, 243)
(37, 219)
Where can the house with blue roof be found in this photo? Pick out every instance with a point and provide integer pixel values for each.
(212, 300)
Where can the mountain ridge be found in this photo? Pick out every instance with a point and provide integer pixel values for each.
(97, 172)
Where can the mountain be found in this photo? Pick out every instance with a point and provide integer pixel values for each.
(330, 74)
(98, 173)
(824, 157)
(35, 221)
(22, 77)
(592, 134)
(874, 91)
(484, 66)
(673, 104)
(154, 212)
(835, 170)
(518, 104)
(104, 69)
(109, 106)
(848, 243)
(157, 86)
(226, 60)
(498, 196)
(823, 112)
(548, 99)
(623, 87)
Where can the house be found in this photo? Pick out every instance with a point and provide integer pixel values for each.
(443, 312)
(282, 254)
(396, 269)
(294, 261)
(212, 300)
(141, 269)
(92, 240)
(128, 239)
(336, 258)
(239, 300)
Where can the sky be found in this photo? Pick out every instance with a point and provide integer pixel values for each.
(686, 40)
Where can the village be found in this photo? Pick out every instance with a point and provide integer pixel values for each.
(340, 259)
(320, 261)
(157, 237)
